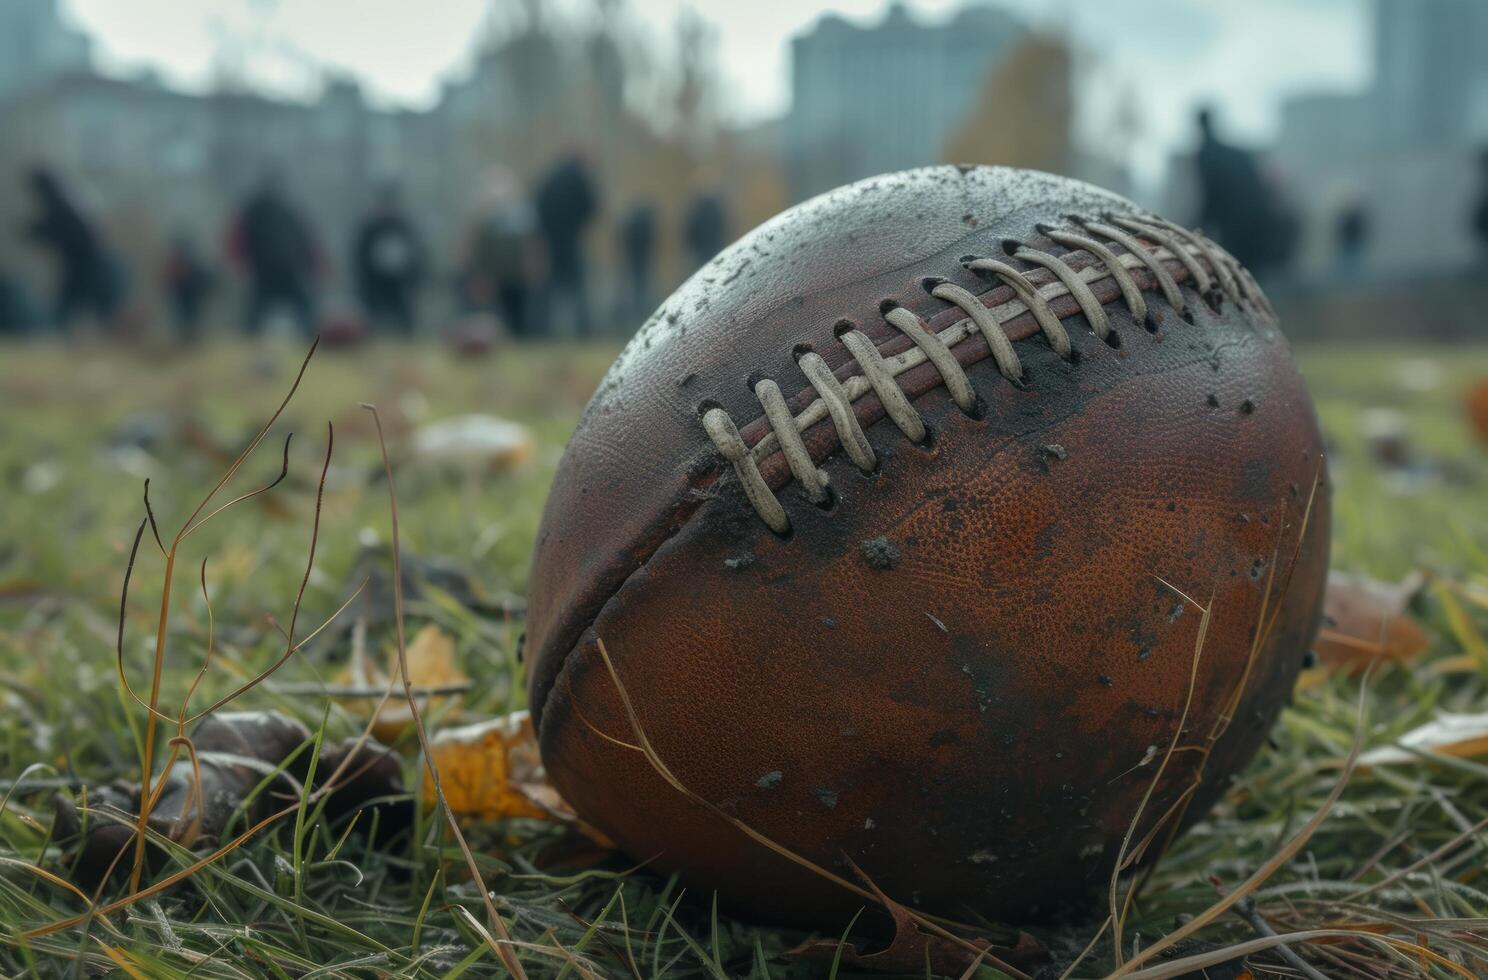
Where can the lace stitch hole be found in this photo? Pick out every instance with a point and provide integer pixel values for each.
(1150, 324)
(828, 503)
(1112, 339)
(801, 350)
(843, 326)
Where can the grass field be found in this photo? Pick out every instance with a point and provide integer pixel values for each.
(79, 432)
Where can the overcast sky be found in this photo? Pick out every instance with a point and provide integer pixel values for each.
(1167, 55)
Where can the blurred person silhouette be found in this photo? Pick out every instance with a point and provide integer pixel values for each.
(274, 244)
(1351, 237)
(1480, 211)
(567, 201)
(501, 256)
(637, 239)
(388, 254)
(187, 280)
(15, 307)
(88, 281)
(705, 228)
(1236, 204)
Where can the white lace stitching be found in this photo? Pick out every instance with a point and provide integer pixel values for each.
(834, 399)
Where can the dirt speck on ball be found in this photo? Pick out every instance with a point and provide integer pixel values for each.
(881, 553)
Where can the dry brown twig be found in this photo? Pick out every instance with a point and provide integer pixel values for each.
(151, 788)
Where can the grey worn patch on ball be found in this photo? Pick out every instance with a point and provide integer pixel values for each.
(881, 553)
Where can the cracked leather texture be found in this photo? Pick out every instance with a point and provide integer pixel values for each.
(954, 674)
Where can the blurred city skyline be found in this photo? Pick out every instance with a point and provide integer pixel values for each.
(1153, 60)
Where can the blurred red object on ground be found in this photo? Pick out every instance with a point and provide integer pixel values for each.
(1477, 409)
(342, 325)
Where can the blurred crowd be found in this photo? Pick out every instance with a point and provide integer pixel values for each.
(522, 266)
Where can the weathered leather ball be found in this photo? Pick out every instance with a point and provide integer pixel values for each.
(885, 520)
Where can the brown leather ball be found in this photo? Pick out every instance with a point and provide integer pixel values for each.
(883, 520)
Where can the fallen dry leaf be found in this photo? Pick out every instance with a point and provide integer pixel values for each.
(1462, 736)
(431, 665)
(492, 770)
(236, 751)
(1366, 620)
(914, 951)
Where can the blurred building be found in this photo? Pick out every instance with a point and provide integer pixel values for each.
(867, 100)
(1405, 149)
(36, 46)
(1431, 64)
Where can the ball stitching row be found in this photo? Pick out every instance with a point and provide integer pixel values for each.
(879, 376)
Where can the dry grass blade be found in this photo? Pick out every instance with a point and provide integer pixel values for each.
(1426, 861)
(207, 656)
(119, 637)
(49, 878)
(121, 959)
(557, 951)
(258, 437)
(1269, 614)
(1272, 864)
(249, 495)
(1086, 951)
(290, 646)
(1117, 913)
(502, 943)
(1172, 820)
(1247, 910)
(1190, 965)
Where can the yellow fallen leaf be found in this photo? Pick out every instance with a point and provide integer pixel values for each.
(431, 664)
(492, 770)
(1462, 736)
